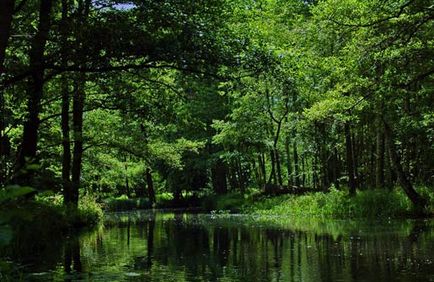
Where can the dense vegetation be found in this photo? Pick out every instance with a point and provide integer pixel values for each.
(174, 102)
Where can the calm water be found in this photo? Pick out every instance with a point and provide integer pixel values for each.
(144, 246)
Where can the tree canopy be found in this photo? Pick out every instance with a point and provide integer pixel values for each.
(216, 96)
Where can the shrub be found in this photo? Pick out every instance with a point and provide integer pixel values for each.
(123, 203)
(89, 211)
(233, 202)
(369, 203)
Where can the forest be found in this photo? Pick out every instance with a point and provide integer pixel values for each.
(216, 140)
(180, 103)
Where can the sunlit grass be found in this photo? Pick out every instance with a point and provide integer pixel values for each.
(338, 204)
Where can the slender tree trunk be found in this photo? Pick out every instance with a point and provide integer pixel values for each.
(373, 165)
(66, 140)
(263, 169)
(419, 202)
(355, 147)
(288, 162)
(388, 170)
(77, 120)
(303, 171)
(257, 172)
(6, 12)
(241, 178)
(127, 181)
(218, 177)
(336, 168)
(232, 176)
(35, 90)
(150, 186)
(278, 168)
(315, 172)
(272, 178)
(296, 166)
(379, 158)
(66, 143)
(77, 112)
(350, 161)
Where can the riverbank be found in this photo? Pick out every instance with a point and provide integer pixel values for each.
(45, 215)
(373, 203)
(334, 204)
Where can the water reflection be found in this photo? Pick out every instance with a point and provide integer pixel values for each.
(72, 257)
(187, 247)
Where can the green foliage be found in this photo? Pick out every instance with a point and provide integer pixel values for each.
(123, 203)
(229, 202)
(13, 192)
(50, 198)
(338, 204)
(202, 98)
(89, 211)
(162, 197)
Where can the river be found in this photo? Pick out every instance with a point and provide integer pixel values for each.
(167, 246)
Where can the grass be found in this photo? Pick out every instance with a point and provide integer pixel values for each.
(335, 204)
(123, 203)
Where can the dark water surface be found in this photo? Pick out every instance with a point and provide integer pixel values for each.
(145, 246)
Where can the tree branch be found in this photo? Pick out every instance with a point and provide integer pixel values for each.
(370, 24)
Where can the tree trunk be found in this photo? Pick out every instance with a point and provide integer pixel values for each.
(350, 161)
(272, 178)
(77, 121)
(373, 165)
(6, 12)
(77, 112)
(303, 171)
(232, 176)
(288, 162)
(150, 186)
(278, 168)
(419, 202)
(35, 90)
(262, 167)
(66, 140)
(296, 165)
(257, 172)
(379, 158)
(218, 177)
(127, 181)
(336, 173)
(66, 143)
(315, 172)
(242, 181)
(355, 147)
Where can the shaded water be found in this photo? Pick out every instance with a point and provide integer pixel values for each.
(145, 246)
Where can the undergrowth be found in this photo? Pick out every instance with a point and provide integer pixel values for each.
(338, 204)
(124, 203)
(88, 213)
